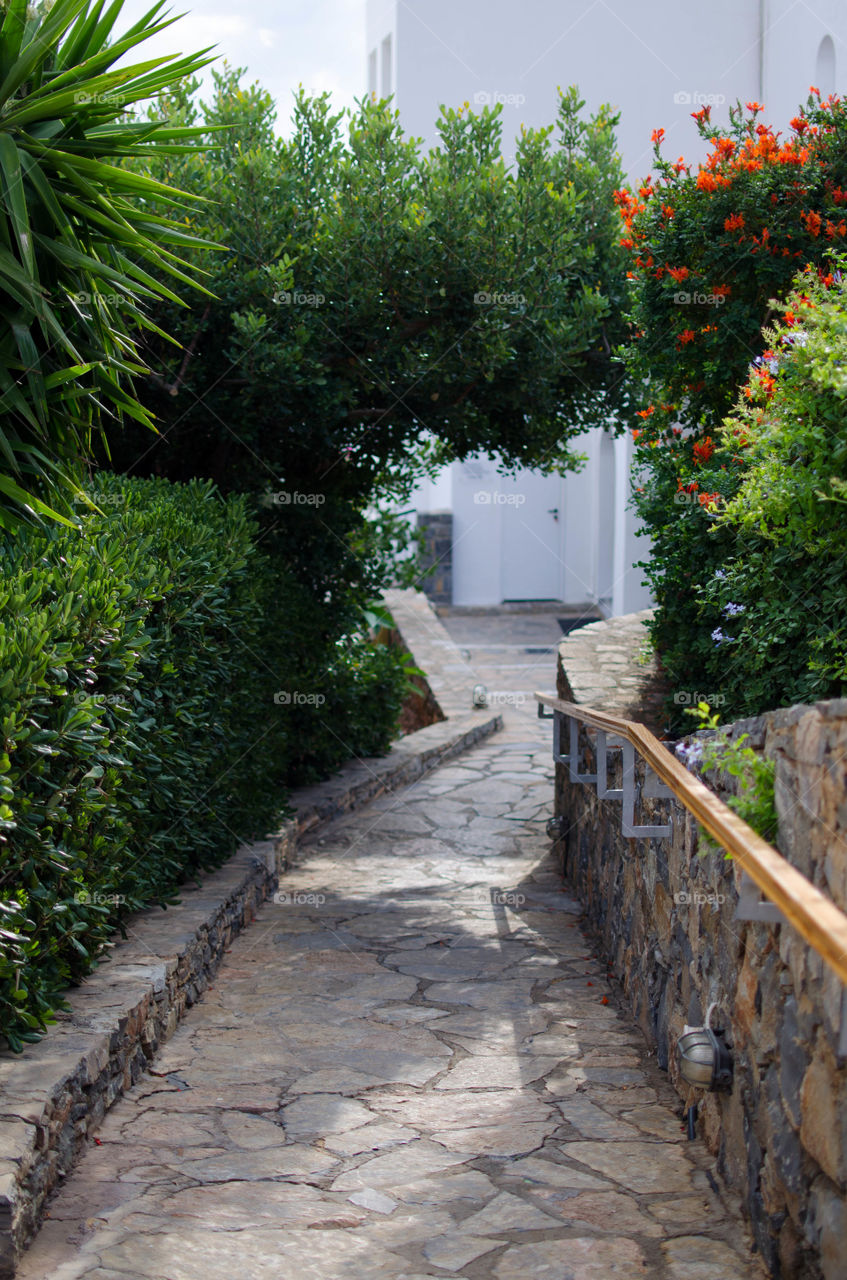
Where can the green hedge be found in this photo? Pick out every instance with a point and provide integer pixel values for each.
(163, 682)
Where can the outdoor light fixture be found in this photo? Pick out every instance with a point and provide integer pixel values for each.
(704, 1061)
(555, 828)
(480, 695)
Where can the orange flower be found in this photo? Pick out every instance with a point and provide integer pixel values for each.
(755, 107)
(734, 222)
(703, 114)
(657, 136)
(703, 450)
(648, 412)
(799, 124)
(687, 335)
(812, 221)
(678, 273)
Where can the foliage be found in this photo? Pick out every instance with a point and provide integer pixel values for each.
(752, 584)
(83, 256)
(371, 294)
(711, 249)
(713, 252)
(152, 710)
(754, 800)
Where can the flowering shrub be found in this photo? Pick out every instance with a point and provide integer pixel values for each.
(751, 585)
(712, 246)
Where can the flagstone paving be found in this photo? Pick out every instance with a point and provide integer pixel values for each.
(412, 1065)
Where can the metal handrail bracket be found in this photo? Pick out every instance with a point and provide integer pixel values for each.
(653, 787)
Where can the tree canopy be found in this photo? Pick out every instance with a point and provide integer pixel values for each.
(372, 296)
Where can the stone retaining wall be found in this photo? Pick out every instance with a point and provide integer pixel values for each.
(665, 909)
(55, 1094)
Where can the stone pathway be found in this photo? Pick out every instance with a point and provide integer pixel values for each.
(410, 1066)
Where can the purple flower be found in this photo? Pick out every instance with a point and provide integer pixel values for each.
(718, 636)
(732, 610)
(691, 754)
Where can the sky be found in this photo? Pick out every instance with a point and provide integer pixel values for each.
(282, 43)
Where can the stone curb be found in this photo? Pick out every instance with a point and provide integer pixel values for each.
(56, 1093)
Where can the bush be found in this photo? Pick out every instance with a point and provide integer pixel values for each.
(750, 565)
(710, 250)
(151, 718)
(712, 247)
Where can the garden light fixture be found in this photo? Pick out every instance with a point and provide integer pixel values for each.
(704, 1061)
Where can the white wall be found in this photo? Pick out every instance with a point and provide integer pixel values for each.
(793, 35)
(654, 59)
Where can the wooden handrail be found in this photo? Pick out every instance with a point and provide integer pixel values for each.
(818, 920)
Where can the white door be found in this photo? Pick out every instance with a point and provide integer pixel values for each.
(532, 521)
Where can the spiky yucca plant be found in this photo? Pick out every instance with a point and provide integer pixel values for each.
(77, 234)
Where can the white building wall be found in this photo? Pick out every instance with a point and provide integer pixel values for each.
(793, 35)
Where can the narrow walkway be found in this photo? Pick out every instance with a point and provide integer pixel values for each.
(410, 1066)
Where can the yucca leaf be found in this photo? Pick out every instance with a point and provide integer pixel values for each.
(12, 34)
(76, 223)
(28, 57)
(75, 47)
(13, 193)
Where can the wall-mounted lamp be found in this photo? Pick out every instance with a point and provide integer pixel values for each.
(556, 828)
(704, 1060)
(480, 695)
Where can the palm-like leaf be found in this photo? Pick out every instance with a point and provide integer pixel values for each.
(77, 233)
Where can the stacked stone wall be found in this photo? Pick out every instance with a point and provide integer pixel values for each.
(665, 911)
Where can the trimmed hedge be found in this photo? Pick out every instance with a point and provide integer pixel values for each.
(161, 684)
